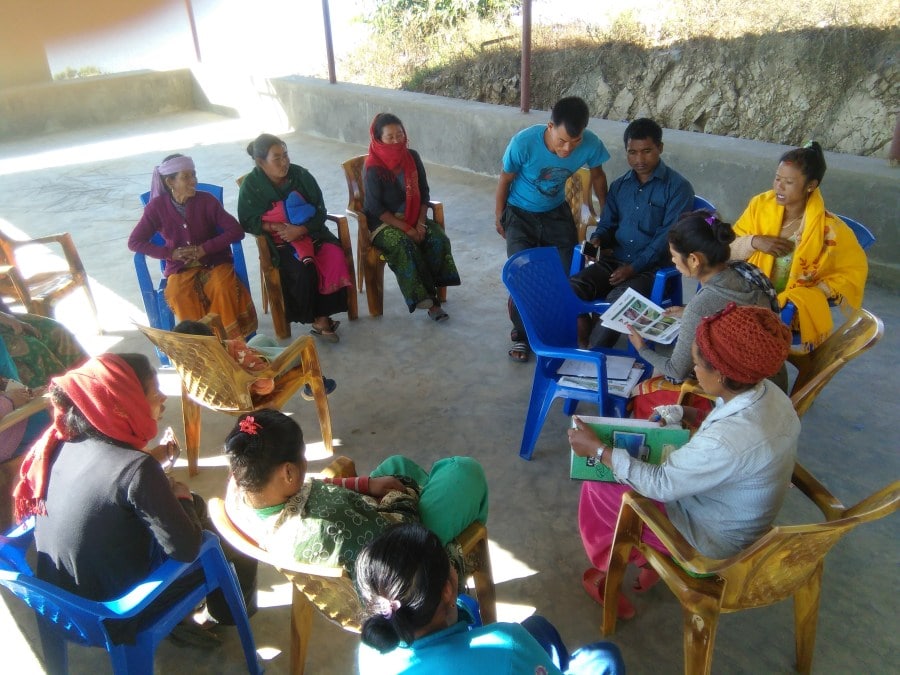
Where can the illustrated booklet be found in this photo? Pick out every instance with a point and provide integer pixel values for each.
(646, 441)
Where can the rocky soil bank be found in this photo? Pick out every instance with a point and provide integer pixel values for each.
(838, 86)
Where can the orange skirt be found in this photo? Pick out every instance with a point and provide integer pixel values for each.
(195, 292)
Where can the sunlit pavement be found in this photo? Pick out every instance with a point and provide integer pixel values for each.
(427, 390)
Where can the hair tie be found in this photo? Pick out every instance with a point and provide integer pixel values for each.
(808, 144)
(385, 607)
(711, 220)
(249, 425)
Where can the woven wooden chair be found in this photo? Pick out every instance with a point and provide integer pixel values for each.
(860, 332)
(579, 195)
(786, 562)
(270, 277)
(370, 263)
(330, 589)
(39, 292)
(211, 379)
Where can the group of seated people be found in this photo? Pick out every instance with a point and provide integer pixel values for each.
(282, 202)
(810, 255)
(95, 482)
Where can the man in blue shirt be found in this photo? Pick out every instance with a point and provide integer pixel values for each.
(631, 235)
(531, 208)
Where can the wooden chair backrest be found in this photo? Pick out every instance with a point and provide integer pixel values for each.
(816, 368)
(353, 172)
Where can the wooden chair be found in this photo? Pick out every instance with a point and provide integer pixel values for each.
(270, 277)
(9, 470)
(579, 195)
(39, 292)
(211, 379)
(330, 589)
(816, 368)
(370, 262)
(786, 562)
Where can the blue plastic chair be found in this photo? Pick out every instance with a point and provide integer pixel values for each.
(667, 290)
(549, 308)
(64, 617)
(159, 314)
(865, 238)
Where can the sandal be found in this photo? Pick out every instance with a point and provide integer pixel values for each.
(647, 578)
(520, 352)
(438, 314)
(594, 582)
(327, 334)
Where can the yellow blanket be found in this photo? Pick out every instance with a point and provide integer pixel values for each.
(828, 253)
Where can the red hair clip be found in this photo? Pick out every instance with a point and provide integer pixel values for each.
(249, 426)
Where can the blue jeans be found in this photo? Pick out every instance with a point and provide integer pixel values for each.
(597, 658)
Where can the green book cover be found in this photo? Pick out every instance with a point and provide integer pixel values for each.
(646, 441)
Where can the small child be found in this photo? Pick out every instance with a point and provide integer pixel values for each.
(253, 356)
(296, 211)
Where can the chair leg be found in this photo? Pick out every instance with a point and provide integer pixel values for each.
(92, 305)
(190, 413)
(806, 615)
(373, 272)
(538, 407)
(132, 660)
(484, 583)
(700, 623)
(301, 630)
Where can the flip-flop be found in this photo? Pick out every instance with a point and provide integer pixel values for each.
(327, 334)
(438, 314)
(594, 582)
(520, 352)
(646, 579)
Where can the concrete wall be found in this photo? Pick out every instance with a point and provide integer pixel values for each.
(473, 136)
(73, 104)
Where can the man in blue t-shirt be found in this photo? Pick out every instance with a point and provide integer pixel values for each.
(531, 208)
(631, 234)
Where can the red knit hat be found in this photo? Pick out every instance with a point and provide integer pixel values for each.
(746, 344)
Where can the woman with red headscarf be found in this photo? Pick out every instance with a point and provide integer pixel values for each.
(724, 487)
(107, 514)
(416, 248)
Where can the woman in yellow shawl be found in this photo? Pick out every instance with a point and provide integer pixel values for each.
(810, 255)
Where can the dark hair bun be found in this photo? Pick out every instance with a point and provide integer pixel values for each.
(379, 633)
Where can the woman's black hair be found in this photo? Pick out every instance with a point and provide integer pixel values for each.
(382, 120)
(702, 232)
(259, 147)
(76, 424)
(401, 577)
(187, 327)
(810, 160)
(253, 455)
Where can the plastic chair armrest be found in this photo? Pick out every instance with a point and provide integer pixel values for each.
(830, 506)
(686, 555)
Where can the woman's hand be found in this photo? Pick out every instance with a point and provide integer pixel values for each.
(180, 490)
(19, 396)
(16, 326)
(289, 232)
(583, 439)
(635, 339)
(379, 487)
(676, 312)
(775, 246)
(188, 254)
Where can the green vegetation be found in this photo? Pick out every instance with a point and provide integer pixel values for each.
(73, 74)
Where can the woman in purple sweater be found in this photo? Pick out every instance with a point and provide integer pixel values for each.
(197, 235)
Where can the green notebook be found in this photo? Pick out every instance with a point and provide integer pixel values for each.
(646, 441)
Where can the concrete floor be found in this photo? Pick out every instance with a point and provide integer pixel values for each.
(426, 390)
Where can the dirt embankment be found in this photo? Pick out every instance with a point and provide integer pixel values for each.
(838, 86)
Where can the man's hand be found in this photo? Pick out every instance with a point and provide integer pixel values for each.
(499, 227)
(379, 487)
(775, 246)
(621, 274)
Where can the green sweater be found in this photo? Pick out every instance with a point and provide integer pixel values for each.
(258, 195)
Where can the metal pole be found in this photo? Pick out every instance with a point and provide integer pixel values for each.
(190, 13)
(525, 75)
(329, 47)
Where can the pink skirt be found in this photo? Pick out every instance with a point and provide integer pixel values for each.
(332, 268)
(598, 512)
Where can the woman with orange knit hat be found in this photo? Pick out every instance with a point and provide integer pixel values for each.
(722, 489)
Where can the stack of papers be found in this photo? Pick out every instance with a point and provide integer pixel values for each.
(622, 375)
